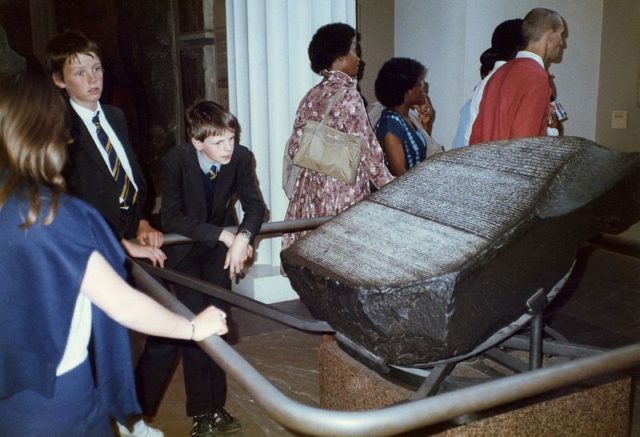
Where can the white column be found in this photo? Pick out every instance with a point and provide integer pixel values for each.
(269, 73)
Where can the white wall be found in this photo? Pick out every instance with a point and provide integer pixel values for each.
(620, 74)
(269, 73)
(375, 24)
(448, 36)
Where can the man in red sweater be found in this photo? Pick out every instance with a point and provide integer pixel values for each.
(516, 100)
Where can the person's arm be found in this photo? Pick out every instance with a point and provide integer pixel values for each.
(248, 191)
(357, 123)
(137, 311)
(427, 115)
(153, 254)
(394, 151)
(254, 211)
(239, 252)
(147, 235)
(147, 244)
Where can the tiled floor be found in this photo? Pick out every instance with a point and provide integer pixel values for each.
(599, 307)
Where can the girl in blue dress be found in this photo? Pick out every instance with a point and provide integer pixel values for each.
(65, 367)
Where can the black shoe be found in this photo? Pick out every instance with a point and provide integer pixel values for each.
(224, 422)
(203, 426)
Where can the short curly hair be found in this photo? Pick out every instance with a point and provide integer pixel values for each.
(395, 78)
(330, 42)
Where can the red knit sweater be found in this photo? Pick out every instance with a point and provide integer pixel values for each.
(515, 103)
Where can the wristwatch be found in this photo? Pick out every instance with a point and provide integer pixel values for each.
(247, 233)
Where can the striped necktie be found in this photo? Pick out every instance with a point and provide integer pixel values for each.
(127, 191)
(213, 172)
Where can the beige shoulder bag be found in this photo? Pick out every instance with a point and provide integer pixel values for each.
(328, 150)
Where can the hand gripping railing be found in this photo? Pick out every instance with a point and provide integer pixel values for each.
(397, 418)
(266, 228)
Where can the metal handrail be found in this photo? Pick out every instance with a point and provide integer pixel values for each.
(266, 228)
(397, 418)
(620, 244)
(616, 243)
(237, 300)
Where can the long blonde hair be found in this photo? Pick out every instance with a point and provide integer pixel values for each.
(33, 141)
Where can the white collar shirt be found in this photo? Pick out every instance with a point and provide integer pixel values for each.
(205, 163)
(476, 99)
(530, 55)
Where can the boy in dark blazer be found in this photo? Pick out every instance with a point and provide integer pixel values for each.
(200, 182)
(101, 167)
(117, 191)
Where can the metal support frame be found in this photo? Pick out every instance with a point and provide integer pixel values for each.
(432, 383)
(402, 417)
(535, 343)
(536, 305)
(237, 300)
(423, 408)
(553, 347)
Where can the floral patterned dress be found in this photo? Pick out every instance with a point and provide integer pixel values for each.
(316, 194)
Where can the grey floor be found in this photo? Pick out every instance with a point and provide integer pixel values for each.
(598, 307)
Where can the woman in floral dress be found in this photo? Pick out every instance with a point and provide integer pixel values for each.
(332, 52)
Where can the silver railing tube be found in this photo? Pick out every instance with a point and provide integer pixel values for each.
(267, 228)
(416, 414)
(617, 243)
(402, 417)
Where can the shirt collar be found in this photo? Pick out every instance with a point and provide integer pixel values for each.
(339, 76)
(498, 64)
(530, 55)
(85, 114)
(205, 163)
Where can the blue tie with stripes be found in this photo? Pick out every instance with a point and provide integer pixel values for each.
(213, 172)
(127, 191)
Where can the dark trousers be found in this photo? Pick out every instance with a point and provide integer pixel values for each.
(205, 382)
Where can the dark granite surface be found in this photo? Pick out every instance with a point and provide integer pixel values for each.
(431, 266)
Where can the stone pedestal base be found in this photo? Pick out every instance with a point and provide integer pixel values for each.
(602, 410)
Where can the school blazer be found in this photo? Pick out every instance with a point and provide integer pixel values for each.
(89, 178)
(184, 210)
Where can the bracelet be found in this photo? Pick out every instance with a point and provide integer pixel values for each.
(193, 328)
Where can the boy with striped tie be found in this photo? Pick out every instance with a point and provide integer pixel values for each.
(101, 166)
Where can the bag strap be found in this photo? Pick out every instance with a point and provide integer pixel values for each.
(330, 106)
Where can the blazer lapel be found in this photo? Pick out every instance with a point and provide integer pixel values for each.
(85, 142)
(193, 172)
(128, 150)
(224, 179)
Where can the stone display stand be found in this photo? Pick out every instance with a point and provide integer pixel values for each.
(601, 410)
